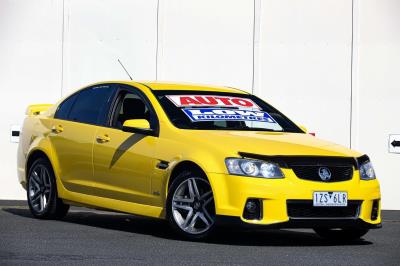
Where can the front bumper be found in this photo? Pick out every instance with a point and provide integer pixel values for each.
(231, 193)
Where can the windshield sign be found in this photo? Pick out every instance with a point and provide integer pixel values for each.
(215, 110)
(211, 114)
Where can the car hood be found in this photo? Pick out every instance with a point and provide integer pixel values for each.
(270, 143)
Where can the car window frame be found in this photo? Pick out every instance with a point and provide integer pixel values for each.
(77, 93)
(124, 88)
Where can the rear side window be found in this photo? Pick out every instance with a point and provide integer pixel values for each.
(92, 105)
(65, 107)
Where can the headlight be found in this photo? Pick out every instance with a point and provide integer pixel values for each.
(367, 171)
(256, 168)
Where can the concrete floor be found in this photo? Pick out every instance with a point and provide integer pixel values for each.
(102, 238)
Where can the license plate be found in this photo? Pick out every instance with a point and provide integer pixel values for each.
(329, 199)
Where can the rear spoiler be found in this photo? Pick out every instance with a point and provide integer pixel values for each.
(37, 109)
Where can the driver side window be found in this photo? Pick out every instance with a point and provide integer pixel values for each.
(130, 106)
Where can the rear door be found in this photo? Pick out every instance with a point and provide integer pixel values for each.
(73, 132)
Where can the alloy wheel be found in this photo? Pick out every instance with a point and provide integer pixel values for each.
(39, 188)
(193, 206)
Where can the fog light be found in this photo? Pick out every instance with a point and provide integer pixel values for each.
(375, 210)
(253, 209)
(251, 206)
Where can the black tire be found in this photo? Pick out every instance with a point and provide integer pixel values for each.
(177, 183)
(54, 207)
(342, 234)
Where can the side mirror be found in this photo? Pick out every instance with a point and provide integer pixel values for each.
(141, 126)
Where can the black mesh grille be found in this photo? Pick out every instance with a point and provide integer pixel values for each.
(310, 172)
(305, 209)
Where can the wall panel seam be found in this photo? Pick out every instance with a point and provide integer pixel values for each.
(351, 72)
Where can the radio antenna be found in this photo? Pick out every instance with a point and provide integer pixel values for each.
(126, 71)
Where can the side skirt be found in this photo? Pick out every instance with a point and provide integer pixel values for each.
(84, 200)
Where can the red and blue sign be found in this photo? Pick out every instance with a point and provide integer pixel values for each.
(218, 114)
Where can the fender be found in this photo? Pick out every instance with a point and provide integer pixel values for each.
(175, 163)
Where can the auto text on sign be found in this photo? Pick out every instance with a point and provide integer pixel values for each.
(211, 100)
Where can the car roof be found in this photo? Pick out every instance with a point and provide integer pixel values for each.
(157, 85)
(189, 86)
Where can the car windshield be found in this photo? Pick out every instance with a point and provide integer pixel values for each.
(210, 110)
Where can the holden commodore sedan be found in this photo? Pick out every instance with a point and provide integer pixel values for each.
(197, 156)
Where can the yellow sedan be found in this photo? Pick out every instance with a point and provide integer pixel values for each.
(197, 156)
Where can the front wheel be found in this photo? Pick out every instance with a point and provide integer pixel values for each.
(190, 206)
(341, 234)
(42, 192)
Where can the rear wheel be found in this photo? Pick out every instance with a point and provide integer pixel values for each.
(341, 234)
(42, 192)
(190, 206)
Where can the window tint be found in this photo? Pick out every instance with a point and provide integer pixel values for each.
(92, 105)
(65, 107)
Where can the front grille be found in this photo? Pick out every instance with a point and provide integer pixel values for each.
(304, 209)
(307, 167)
(310, 172)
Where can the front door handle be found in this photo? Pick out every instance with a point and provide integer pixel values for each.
(57, 129)
(103, 138)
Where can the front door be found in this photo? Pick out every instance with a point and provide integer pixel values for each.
(123, 162)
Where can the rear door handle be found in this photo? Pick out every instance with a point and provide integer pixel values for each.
(103, 138)
(57, 129)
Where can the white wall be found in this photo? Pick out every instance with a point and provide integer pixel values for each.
(376, 105)
(305, 63)
(206, 41)
(97, 33)
(30, 72)
(325, 66)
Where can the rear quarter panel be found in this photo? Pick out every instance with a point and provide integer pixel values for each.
(33, 137)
